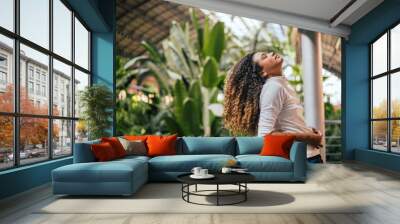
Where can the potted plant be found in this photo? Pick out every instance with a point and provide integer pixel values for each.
(96, 102)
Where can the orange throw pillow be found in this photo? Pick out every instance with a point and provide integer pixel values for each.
(116, 145)
(277, 145)
(142, 138)
(161, 145)
(103, 152)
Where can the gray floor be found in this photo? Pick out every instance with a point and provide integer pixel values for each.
(379, 189)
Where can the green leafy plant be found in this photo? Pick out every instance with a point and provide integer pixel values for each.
(189, 71)
(97, 102)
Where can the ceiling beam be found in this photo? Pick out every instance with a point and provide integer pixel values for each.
(131, 7)
(268, 15)
(346, 11)
(155, 20)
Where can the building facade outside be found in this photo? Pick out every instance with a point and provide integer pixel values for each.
(34, 89)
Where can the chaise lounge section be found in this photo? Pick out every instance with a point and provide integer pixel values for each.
(125, 176)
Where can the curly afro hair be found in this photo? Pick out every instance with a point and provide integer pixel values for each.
(242, 91)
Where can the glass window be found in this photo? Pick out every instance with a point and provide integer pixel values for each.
(379, 56)
(81, 82)
(35, 21)
(62, 137)
(62, 29)
(379, 97)
(44, 91)
(395, 47)
(34, 80)
(7, 14)
(30, 71)
(6, 142)
(3, 78)
(379, 135)
(37, 89)
(33, 140)
(62, 72)
(37, 75)
(39, 61)
(30, 87)
(3, 61)
(385, 79)
(7, 75)
(395, 136)
(81, 45)
(395, 95)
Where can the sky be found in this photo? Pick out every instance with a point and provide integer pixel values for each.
(332, 84)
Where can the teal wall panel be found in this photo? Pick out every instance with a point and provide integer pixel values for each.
(355, 85)
(24, 178)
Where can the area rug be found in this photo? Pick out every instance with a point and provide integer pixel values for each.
(166, 198)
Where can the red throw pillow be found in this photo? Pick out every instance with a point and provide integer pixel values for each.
(103, 152)
(161, 145)
(136, 137)
(116, 145)
(277, 145)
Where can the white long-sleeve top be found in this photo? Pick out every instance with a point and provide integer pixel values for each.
(280, 108)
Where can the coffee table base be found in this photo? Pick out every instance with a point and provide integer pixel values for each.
(242, 191)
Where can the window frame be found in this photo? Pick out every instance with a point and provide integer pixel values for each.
(388, 74)
(16, 114)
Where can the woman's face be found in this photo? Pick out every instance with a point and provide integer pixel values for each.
(270, 63)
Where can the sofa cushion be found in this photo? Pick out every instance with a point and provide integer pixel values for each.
(207, 145)
(142, 138)
(112, 171)
(116, 145)
(161, 145)
(257, 163)
(249, 145)
(103, 152)
(136, 147)
(277, 145)
(185, 163)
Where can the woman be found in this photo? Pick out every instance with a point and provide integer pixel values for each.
(260, 101)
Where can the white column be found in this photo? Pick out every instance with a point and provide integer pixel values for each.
(311, 57)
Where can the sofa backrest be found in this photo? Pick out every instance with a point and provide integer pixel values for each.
(190, 146)
(83, 152)
(249, 145)
(206, 145)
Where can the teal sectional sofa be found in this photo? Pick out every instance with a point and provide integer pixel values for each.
(125, 176)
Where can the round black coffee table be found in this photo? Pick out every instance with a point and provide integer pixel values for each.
(238, 179)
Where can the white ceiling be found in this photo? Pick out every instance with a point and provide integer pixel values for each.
(321, 9)
(314, 15)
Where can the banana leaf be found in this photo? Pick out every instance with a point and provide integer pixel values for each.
(210, 73)
(214, 43)
(189, 122)
(195, 94)
(180, 94)
(153, 52)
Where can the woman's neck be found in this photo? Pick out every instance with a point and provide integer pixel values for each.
(275, 75)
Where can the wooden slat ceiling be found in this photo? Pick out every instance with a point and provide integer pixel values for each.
(150, 20)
